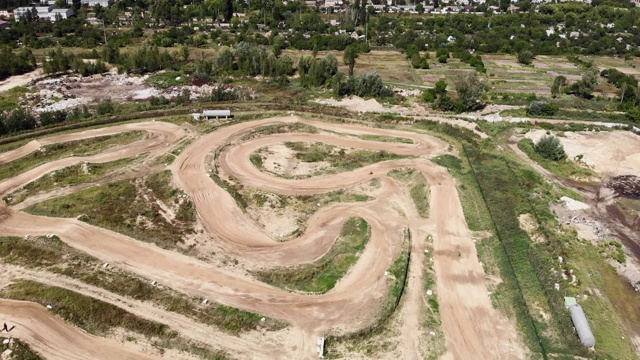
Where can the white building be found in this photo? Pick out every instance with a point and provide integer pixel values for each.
(44, 13)
(56, 14)
(92, 3)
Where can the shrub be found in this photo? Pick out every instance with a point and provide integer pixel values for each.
(550, 148)
(525, 57)
(105, 107)
(537, 108)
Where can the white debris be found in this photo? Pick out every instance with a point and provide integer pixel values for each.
(263, 320)
(154, 283)
(572, 204)
(205, 301)
(26, 237)
(560, 259)
(105, 265)
(318, 204)
(426, 251)
(556, 286)
(429, 292)
(386, 273)
(49, 236)
(49, 307)
(7, 353)
(5, 341)
(432, 333)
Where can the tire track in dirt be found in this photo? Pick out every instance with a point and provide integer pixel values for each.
(470, 324)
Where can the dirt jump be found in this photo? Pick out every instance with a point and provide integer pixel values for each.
(472, 328)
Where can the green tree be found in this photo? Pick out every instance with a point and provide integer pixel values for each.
(19, 120)
(558, 85)
(228, 10)
(349, 57)
(105, 107)
(469, 88)
(550, 148)
(525, 57)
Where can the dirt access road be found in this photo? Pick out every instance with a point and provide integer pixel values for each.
(471, 326)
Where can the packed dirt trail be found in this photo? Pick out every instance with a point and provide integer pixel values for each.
(52, 336)
(471, 326)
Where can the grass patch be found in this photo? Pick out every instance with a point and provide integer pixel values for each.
(420, 195)
(384, 138)
(419, 189)
(98, 317)
(19, 349)
(53, 255)
(563, 168)
(281, 129)
(612, 338)
(363, 339)
(340, 160)
(53, 152)
(475, 210)
(322, 275)
(433, 346)
(9, 99)
(69, 176)
(167, 79)
(94, 316)
(117, 206)
(577, 115)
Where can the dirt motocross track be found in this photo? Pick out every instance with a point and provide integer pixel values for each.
(472, 328)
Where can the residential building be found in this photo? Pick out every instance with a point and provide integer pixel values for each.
(92, 3)
(44, 12)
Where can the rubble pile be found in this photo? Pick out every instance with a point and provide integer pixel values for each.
(625, 185)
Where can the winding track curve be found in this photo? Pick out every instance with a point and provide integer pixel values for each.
(471, 326)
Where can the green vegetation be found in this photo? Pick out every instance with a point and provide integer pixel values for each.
(53, 255)
(69, 176)
(98, 317)
(565, 168)
(572, 114)
(167, 79)
(49, 153)
(9, 99)
(420, 195)
(322, 275)
(19, 350)
(340, 160)
(362, 340)
(475, 210)
(117, 206)
(550, 147)
(384, 138)
(95, 316)
(430, 314)
(418, 188)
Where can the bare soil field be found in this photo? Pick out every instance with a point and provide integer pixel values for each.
(472, 327)
(609, 153)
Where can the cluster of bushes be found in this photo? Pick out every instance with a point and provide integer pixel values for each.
(473, 60)
(542, 108)
(370, 85)
(248, 59)
(16, 64)
(58, 61)
(317, 72)
(469, 89)
(550, 148)
(21, 119)
(417, 62)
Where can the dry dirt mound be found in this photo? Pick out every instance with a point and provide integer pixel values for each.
(625, 186)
